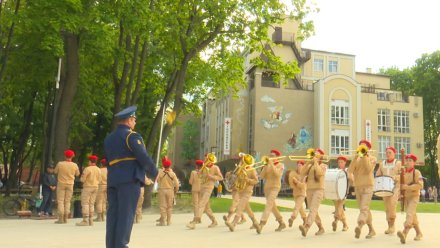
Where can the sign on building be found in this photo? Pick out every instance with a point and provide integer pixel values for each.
(227, 137)
(368, 130)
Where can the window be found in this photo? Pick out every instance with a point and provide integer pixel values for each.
(339, 141)
(384, 142)
(401, 121)
(383, 120)
(333, 66)
(340, 113)
(267, 80)
(318, 65)
(402, 142)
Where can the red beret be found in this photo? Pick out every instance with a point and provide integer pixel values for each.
(93, 158)
(411, 156)
(341, 158)
(300, 162)
(199, 162)
(365, 142)
(69, 153)
(104, 161)
(319, 150)
(276, 152)
(392, 149)
(166, 162)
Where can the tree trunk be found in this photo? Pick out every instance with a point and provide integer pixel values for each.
(67, 93)
(5, 53)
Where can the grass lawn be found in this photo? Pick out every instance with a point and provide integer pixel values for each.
(426, 207)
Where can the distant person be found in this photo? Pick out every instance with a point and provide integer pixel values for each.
(66, 172)
(48, 190)
(168, 185)
(90, 178)
(101, 197)
(423, 194)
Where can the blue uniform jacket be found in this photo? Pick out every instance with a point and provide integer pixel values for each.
(127, 157)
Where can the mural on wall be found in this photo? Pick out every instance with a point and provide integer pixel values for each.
(300, 140)
(277, 116)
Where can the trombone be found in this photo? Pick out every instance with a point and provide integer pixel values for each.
(361, 151)
(265, 161)
(309, 156)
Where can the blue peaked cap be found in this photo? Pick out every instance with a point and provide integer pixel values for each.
(127, 112)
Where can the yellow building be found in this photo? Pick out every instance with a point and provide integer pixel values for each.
(329, 105)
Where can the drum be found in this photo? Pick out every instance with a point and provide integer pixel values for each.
(336, 184)
(383, 186)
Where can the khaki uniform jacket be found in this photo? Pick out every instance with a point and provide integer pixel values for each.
(414, 180)
(216, 175)
(315, 175)
(103, 179)
(66, 172)
(299, 188)
(91, 176)
(272, 174)
(251, 180)
(361, 170)
(167, 179)
(194, 181)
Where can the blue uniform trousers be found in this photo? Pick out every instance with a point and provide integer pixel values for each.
(122, 202)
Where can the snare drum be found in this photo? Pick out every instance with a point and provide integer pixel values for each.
(336, 184)
(383, 186)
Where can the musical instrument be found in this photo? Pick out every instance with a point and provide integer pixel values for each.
(383, 186)
(336, 184)
(264, 161)
(204, 170)
(237, 178)
(361, 151)
(309, 156)
(229, 180)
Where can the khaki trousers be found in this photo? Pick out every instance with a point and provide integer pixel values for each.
(314, 198)
(235, 201)
(339, 210)
(140, 202)
(299, 207)
(204, 205)
(195, 195)
(166, 200)
(271, 206)
(64, 196)
(411, 215)
(390, 203)
(88, 198)
(101, 199)
(243, 205)
(363, 198)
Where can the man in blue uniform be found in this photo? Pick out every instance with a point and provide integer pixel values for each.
(128, 162)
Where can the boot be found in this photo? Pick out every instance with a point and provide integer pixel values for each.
(99, 217)
(192, 224)
(402, 235)
(168, 219)
(60, 219)
(259, 227)
(281, 225)
(304, 220)
(195, 221)
(232, 225)
(357, 231)
(391, 229)
(161, 220)
(419, 234)
(161, 223)
(304, 229)
(335, 225)
(344, 225)
(254, 223)
(84, 222)
(371, 232)
(321, 230)
(213, 223)
(91, 221)
(291, 219)
(226, 218)
(242, 220)
(65, 217)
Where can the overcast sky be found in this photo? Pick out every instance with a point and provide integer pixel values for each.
(380, 33)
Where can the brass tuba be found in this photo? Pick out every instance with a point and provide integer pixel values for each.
(204, 170)
(240, 171)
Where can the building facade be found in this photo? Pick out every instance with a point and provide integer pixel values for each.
(329, 105)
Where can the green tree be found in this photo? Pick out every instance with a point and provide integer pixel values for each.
(191, 140)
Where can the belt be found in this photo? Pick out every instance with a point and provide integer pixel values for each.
(114, 161)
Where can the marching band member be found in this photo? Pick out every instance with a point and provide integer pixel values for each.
(194, 181)
(299, 193)
(168, 185)
(272, 173)
(101, 197)
(391, 167)
(360, 173)
(244, 187)
(207, 185)
(339, 204)
(314, 173)
(90, 179)
(234, 204)
(413, 183)
(140, 202)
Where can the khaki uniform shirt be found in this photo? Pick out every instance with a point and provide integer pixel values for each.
(360, 171)
(298, 187)
(415, 182)
(315, 175)
(103, 179)
(194, 180)
(91, 176)
(214, 171)
(167, 179)
(66, 172)
(272, 174)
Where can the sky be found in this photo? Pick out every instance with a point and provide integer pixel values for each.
(380, 33)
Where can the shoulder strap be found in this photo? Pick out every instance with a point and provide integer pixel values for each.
(126, 139)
